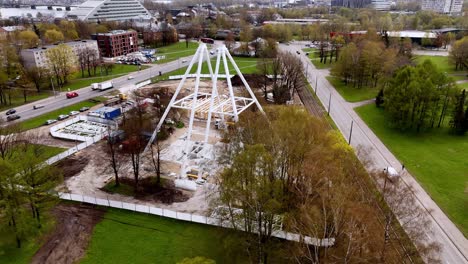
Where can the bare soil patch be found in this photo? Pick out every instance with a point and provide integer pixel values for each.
(68, 242)
(148, 190)
(72, 165)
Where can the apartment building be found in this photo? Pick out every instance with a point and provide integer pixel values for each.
(37, 57)
(116, 43)
(443, 6)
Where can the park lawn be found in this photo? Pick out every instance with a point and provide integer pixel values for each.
(443, 63)
(10, 254)
(40, 120)
(246, 66)
(47, 150)
(437, 159)
(176, 50)
(77, 82)
(17, 99)
(130, 237)
(350, 93)
(315, 59)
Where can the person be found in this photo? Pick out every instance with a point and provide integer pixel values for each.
(160, 73)
(402, 167)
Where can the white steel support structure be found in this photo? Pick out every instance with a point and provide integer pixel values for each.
(209, 104)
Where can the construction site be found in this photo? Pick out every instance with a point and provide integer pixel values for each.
(182, 142)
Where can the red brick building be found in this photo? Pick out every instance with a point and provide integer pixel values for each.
(117, 43)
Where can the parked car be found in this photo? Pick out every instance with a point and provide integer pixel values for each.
(50, 121)
(130, 77)
(37, 106)
(73, 113)
(11, 111)
(62, 117)
(71, 95)
(298, 52)
(184, 61)
(13, 117)
(84, 109)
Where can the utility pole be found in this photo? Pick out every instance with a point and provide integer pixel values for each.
(316, 87)
(53, 88)
(329, 103)
(350, 132)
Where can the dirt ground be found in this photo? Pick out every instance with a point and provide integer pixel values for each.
(68, 242)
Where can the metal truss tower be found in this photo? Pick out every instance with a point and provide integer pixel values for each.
(208, 105)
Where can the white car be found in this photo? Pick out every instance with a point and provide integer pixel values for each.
(184, 61)
(50, 121)
(130, 77)
(73, 113)
(62, 117)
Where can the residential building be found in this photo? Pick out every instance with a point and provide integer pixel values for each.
(381, 4)
(37, 57)
(443, 6)
(110, 10)
(116, 43)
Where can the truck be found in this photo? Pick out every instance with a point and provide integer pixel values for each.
(102, 86)
(112, 113)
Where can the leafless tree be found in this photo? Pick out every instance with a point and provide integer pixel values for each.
(9, 137)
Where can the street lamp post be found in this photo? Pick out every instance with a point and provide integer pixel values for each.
(53, 88)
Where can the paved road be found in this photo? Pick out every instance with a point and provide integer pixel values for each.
(454, 244)
(56, 102)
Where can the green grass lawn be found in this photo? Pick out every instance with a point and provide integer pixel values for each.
(40, 120)
(176, 50)
(315, 59)
(47, 151)
(246, 66)
(437, 159)
(130, 237)
(17, 99)
(10, 254)
(350, 93)
(443, 63)
(77, 82)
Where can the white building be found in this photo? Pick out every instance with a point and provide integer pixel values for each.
(110, 10)
(381, 4)
(443, 6)
(37, 57)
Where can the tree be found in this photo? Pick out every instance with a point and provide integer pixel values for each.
(53, 36)
(8, 139)
(229, 41)
(68, 29)
(288, 73)
(458, 55)
(28, 39)
(115, 159)
(61, 62)
(196, 260)
(37, 76)
(458, 122)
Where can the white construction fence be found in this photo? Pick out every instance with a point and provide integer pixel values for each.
(200, 219)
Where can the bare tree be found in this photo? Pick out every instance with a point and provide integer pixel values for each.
(9, 137)
(115, 158)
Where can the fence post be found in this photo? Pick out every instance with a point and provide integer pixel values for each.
(108, 202)
(70, 196)
(121, 204)
(95, 200)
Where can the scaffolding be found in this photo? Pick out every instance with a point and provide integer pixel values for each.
(207, 105)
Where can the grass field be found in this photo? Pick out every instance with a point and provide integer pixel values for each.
(444, 65)
(350, 93)
(246, 66)
(77, 82)
(437, 159)
(315, 59)
(48, 151)
(40, 120)
(130, 237)
(17, 99)
(176, 50)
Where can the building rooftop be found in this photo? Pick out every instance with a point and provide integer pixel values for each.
(110, 10)
(115, 32)
(412, 34)
(71, 43)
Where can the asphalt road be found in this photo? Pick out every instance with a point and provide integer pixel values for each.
(59, 101)
(454, 244)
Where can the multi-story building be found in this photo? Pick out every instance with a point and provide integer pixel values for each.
(117, 43)
(443, 6)
(110, 10)
(381, 4)
(37, 57)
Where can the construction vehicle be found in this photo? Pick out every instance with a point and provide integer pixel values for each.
(123, 96)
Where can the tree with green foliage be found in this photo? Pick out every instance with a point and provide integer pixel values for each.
(197, 260)
(458, 122)
(414, 97)
(28, 39)
(53, 36)
(459, 54)
(61, 61)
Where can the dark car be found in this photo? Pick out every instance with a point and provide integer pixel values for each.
(11, 111)
(298, 52)
(13, 117)
(83, 109)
